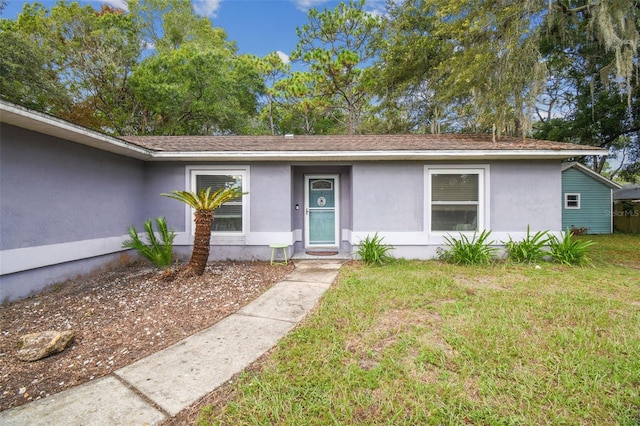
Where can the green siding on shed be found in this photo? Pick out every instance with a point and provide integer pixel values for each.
(595, 203)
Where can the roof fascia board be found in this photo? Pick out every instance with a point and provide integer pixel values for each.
(370, 155)
(52, 126)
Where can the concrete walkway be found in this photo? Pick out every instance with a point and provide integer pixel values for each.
(158, 387)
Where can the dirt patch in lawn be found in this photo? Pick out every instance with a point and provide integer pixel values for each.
(119, 317)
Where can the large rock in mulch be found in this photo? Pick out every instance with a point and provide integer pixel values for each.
(35, 346)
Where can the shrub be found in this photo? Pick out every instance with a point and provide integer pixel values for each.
(530, 250)
(159, 252)
(569, 251)
(373, 252)
(465, 251)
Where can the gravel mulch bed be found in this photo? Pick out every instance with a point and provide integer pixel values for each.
(119, 317)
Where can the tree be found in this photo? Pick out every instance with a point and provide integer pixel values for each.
(483, 59)
(195, 83)
(196, 90)
(596, 110)
(302, 109)
(338, 47)
(76, 65)
(271, 68)
(167, 24)
(204, 203)
(28, 73)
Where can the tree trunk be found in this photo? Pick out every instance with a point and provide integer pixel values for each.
(201, 242)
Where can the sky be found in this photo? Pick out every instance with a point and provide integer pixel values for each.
(257, 26)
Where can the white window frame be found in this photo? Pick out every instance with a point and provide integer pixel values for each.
(482, 170)
(193, 171)
(577, 200)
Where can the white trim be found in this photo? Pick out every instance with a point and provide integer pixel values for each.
(268, 238)
(484, 194)
(336, 196)
(424, 239)
(190, 179)
(416, 238)
(324, 156)
(578, 200)
(23, 259)
(611, 215)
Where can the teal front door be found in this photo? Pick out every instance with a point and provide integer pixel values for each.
(321, 211)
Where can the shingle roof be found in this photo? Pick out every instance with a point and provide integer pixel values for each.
(342, 143)
(296, 148)
(627, 192)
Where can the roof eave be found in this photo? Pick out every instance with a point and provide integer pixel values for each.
(371, 155)
(46, 124)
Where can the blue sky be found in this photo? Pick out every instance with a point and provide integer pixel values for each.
(257, 26)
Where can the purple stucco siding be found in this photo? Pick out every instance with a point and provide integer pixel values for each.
(388, 197)
(270, 197)
(54, 191)
(526, 193)
(163, 178)
(391, 197)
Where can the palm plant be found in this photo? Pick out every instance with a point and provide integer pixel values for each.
(158, 251)
(204, 203)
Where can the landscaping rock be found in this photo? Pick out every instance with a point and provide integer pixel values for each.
(35, 346)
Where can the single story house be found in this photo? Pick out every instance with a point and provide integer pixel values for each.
(68, 194)
(587, 200)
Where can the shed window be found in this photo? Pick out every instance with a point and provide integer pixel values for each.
(571, 201)
(456, 199)
(231, 216)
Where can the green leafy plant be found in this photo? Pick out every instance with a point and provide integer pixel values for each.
(529, 250)
(570, 251)
(465, 251)
(158, 251)
(373, 252)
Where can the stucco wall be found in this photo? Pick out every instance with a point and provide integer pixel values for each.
(54, 191)
(388, 196)
(270, 198)
(161, 178)
(525, 193)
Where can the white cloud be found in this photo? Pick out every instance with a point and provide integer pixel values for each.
(376, 8)
(283, 57)
(207, 8)
(305, 5)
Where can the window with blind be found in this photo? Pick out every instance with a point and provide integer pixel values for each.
(456, 199)
(230, 217)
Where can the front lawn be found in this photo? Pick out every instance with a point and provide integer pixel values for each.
(431, 343)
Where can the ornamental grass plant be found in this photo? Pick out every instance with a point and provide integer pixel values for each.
(569, 250)
(373, 251)
(157, 250)
(469, 251)
(529, 250)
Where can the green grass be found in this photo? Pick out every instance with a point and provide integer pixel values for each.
(434, 343)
